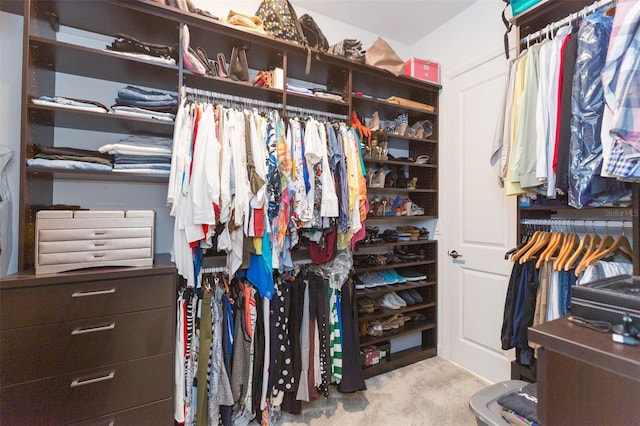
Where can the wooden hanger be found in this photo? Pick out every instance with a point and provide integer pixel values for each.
(556, 241)
(522, 250)
(593, 246)
(540, 244)
(567, 250)
(584, 243)
(620, 246)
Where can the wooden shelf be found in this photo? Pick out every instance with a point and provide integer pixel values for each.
(380, 290)
(314, 100)
(393, 266)
(95, 175)
(384, 312)
(403, 190)
(394, 219)
(389, 105)
(408, 328)
(102, 65)
(401, 163)
(99, 121)
(408, 138)
(394, 244)
(400, 359)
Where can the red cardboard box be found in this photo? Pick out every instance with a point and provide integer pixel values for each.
(423, 70)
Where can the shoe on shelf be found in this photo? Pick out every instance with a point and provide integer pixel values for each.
(374, 122)
(412, 274)
(358, 282)
(397, 203)
(390, 302)
(375, 328)
(398, 299)
(399, 278)
(378, 179)
(388, 277)
(413, 183)
(404, 295)
(416, 295)
(415, 210)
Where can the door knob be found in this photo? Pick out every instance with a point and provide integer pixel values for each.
(454, 254)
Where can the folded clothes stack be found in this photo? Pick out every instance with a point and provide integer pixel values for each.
(69, 158)
(126, 45)
(154, 104)
(71, 103)
(520, 407)
(140, 154)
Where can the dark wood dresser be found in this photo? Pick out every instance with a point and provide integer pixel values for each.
(584, 378)
(88, 347)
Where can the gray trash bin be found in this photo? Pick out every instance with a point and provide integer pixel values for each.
(484, 403)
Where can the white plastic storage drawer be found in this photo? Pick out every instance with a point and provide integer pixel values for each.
(68, 240)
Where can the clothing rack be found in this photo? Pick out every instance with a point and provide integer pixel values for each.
(571, 19)
(213, 270)
(238, 100)
(587, 224)
(315, 113)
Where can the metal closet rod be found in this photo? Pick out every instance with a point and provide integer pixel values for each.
(256, 102)
(232, 98)
(584, 223)
(583, 13)
(312, 112)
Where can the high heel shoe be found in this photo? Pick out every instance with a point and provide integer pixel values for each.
(378, 179)
(405, 210)
(397, 203)
(413, 183)
(374, 123)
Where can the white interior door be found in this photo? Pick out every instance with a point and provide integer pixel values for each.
(479, 221)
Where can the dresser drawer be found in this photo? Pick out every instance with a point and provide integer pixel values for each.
(82, 396)
(79, 345)
(23, 307)
(156, 414)
(92, 245)
(45, 235)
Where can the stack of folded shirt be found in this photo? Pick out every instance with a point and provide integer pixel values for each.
(79, 104)
(140, 154)
(69, 158)
(139, 102)
(322, 93)
(129, 46)
(520, 407)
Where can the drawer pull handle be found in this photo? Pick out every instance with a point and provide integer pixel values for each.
(99, 244)
(93, 329)
(99, 233)
(79, 382)
(93, 293)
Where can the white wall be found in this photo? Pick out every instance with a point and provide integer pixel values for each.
(10, 90)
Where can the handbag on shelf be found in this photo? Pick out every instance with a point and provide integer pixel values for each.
(280, 20)
(312, 32)
(382, 55)
(238, 65)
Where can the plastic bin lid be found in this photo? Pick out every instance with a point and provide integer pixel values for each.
(484, 403)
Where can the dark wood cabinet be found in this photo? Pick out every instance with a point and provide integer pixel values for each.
(584, 378)
(76, 346)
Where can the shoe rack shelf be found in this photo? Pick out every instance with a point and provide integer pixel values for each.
(406, 138)
(400, 163)
(405, 357)
(408, 328)
(394, 265)
(385, 312)
(390, 106)
(380, 290)
(401, 190)
(388, 245)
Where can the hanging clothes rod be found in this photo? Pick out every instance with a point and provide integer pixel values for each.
(582, 223)
(571, 19)
(315, 113)
(231, 98)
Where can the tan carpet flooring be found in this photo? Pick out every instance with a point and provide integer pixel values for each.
(430, 392)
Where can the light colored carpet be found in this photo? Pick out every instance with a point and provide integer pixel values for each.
(430, 392)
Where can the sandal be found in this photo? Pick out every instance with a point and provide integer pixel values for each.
(423, 159)
(378, 180)
(412, 184)
(397, 203)
(222, 65)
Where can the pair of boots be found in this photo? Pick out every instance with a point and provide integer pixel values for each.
(198, 62)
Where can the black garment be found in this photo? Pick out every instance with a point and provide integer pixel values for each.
(258, 357)
(319, 314)
(523, 402)
(297, 288)
(282, 355)
(226, 411)
(564, 137)
(352, 378)
(510, 306)
(126, 43)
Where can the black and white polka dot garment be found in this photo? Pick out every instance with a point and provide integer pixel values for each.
(285, 379)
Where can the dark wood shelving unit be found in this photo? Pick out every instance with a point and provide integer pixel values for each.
(384, 312)
(380, 290)
(408, 328)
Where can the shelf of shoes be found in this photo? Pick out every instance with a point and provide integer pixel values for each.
(393, 266)
(406, 357)
(374, 292)
(408, 328)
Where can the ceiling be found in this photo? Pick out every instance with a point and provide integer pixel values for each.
(406, 21)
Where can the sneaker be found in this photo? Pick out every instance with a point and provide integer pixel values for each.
(378, 279)
(389, 302)
(398, 299)
(359, 284)
(416, 295)
(406, 296)
(397, 276)
(413, 275)
(388, 277)
(368, 281)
